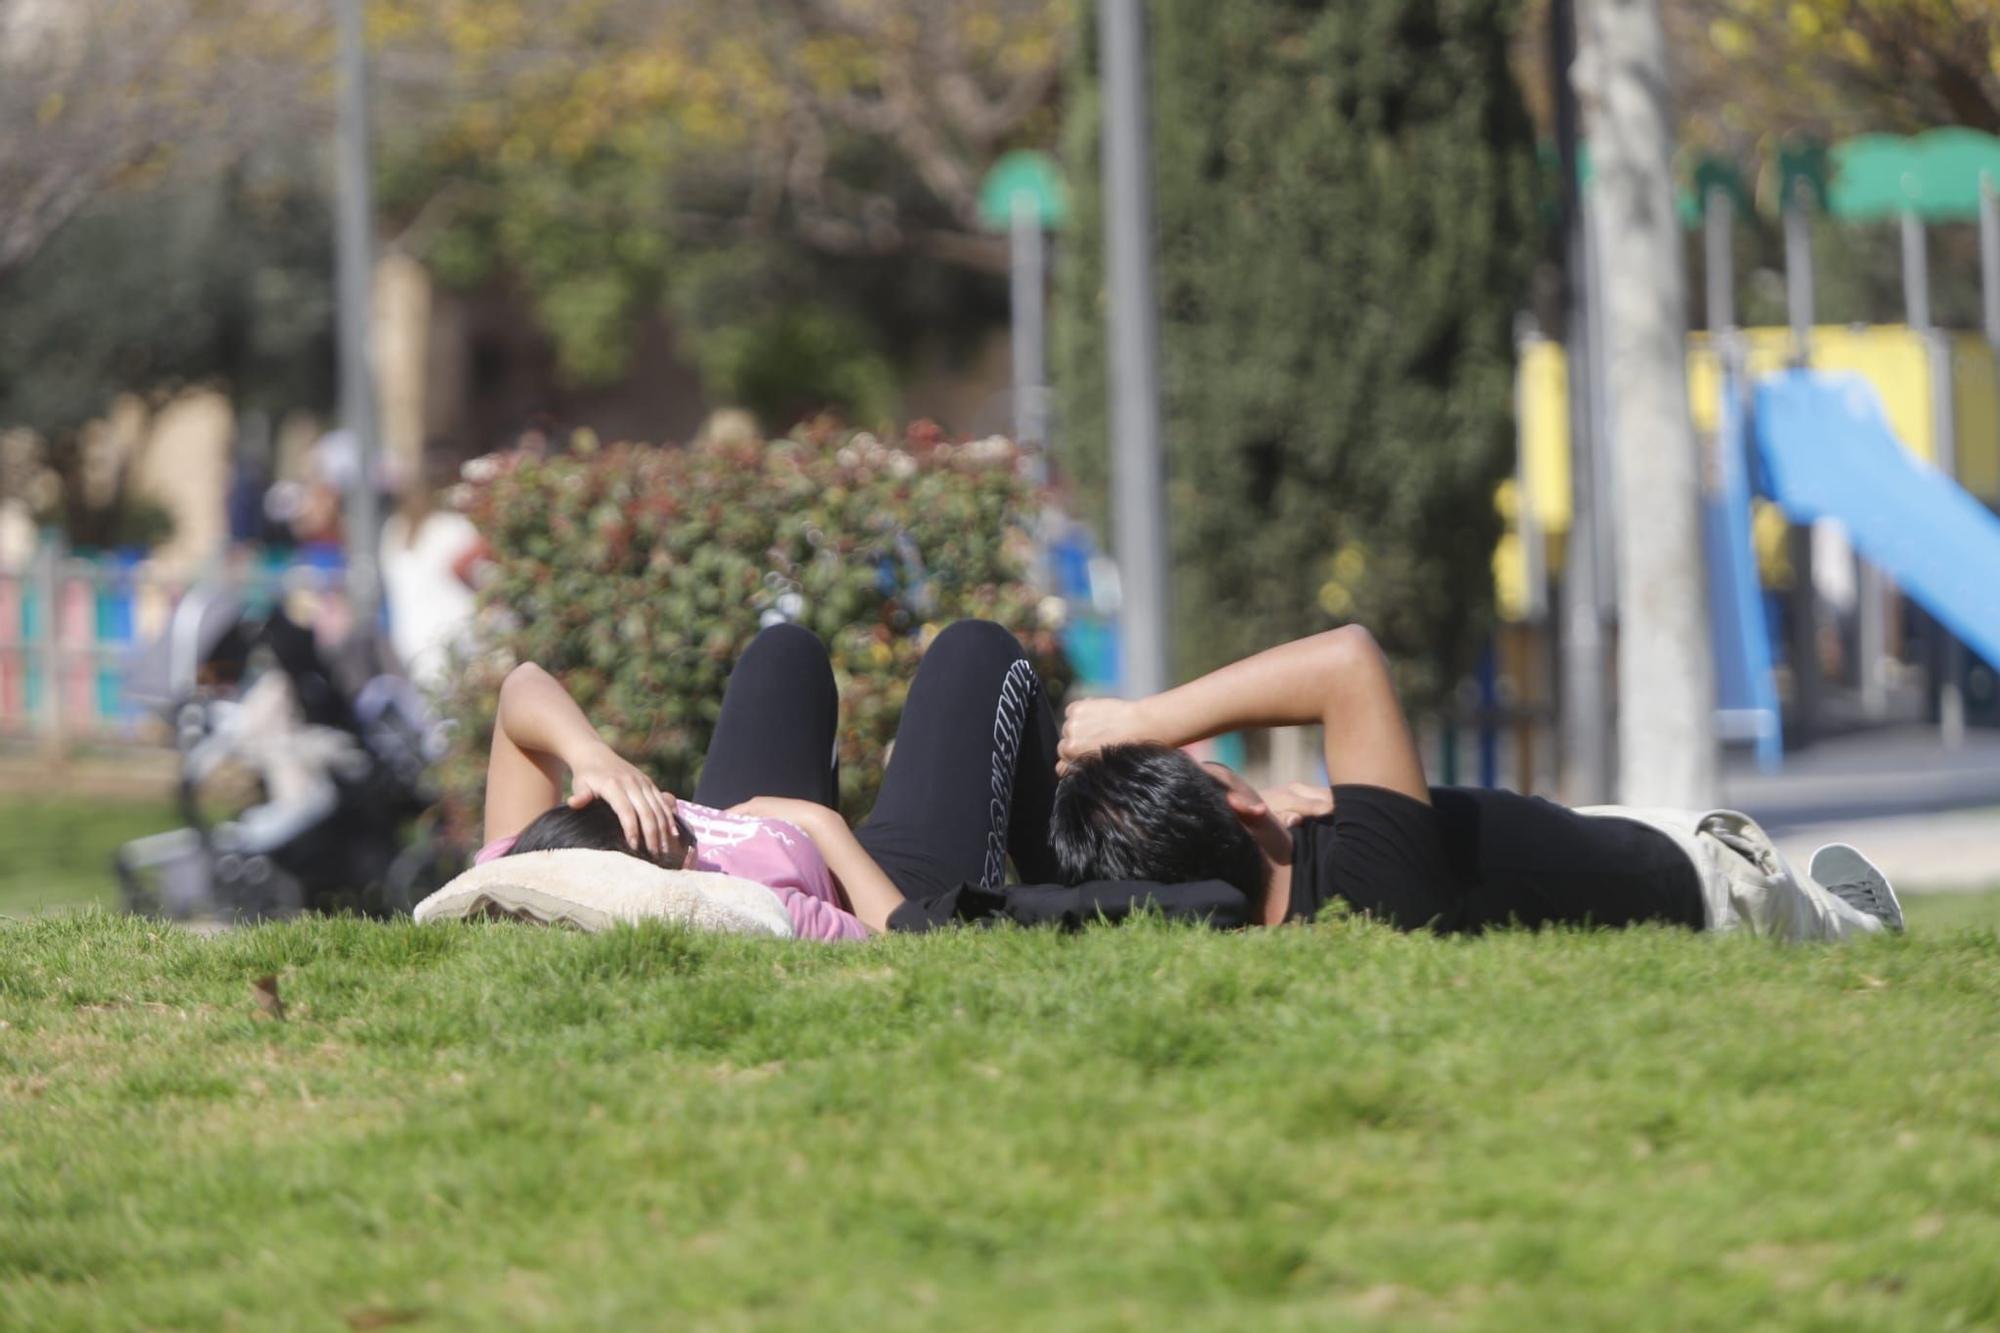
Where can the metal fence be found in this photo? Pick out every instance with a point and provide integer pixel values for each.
(73, 628)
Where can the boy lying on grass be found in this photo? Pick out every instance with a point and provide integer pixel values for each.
(1131, 805)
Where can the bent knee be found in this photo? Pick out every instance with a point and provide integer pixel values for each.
(789, 643)
(784, 633)
(981, 637)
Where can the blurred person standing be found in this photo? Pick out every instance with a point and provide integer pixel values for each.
(429, 558)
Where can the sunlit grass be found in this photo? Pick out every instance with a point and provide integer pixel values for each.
(1155, 1127)
(55, 851)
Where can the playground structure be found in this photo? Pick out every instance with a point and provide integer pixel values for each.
(1880, 439)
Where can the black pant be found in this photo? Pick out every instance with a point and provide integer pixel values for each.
(970, 782)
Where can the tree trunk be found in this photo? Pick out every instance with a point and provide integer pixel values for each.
(1666, 671)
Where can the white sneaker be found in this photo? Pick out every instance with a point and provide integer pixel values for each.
(1855, 880)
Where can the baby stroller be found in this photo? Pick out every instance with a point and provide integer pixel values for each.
(339, 779)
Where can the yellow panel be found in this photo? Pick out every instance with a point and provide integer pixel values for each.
(1975, 415)
(1704, 383)
(1890, 357)
(1769, 535)
(1896, 362)
(1766, 350)
(1543, 408)
(1510, 577)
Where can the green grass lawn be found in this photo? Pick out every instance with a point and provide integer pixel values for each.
(473, 1126)
(55, 851)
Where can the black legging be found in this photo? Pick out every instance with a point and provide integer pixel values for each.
(970, 782)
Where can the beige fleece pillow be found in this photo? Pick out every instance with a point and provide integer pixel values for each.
(594, 890)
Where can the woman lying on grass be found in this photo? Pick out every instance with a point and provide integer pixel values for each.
(1133, 806)
(970, 782)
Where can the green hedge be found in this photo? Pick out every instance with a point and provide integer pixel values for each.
(638, 573)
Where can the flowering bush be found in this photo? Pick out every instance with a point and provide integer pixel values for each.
(637, 574)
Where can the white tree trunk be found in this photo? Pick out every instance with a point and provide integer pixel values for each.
(1666, 669)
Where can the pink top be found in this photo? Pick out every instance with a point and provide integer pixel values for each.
(767, 851)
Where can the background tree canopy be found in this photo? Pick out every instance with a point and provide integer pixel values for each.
(1344, 211)
(1750, 70)
(1346, 222)
(793, 181)
(220, 282)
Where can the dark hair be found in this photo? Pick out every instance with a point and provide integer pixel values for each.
(1150, 812)
(595, 827)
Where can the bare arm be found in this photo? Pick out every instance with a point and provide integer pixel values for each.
(870, 892)
(539, 733)
(1338, 679)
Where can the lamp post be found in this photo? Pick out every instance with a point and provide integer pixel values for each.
(1585, 706)
(1138, 477)
(355, 273)
(1023, 195)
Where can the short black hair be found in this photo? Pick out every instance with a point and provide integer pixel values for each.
(595, 827)
(1150, 812)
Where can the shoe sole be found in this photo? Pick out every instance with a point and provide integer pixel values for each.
(1838, 863)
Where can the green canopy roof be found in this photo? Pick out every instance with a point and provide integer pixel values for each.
(1935, 174)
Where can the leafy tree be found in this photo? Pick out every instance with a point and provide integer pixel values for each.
(224, 281)
(1345, 217)
(1751, 70)
(98, 95)
(796, 177)
(787, 178)
(156, 231)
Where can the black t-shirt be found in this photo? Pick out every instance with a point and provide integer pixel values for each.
(1476, 858)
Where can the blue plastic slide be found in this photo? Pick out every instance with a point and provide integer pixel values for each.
(1828, 452)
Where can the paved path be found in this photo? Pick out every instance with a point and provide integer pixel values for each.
(138, 773)
(1930, 817)
(1954, 851)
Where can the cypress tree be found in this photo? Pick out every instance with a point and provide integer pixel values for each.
(1346, 215)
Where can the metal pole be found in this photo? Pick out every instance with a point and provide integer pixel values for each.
(1807, 687)
(1719, 263)
(1585, 745)
(46, 572)
(1989, 302)
(1872, 588)
(1916, 274)
(355, 265)
(1030, 361)
(1139, 498)
(1718, 220)
(1603, 392)
(1799, 272)
(1989, 259)
(1947, 656)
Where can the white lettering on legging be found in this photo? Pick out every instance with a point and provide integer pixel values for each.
(1008, 718)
